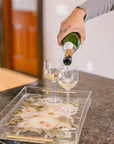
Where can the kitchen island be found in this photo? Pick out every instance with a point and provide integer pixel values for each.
(99, 124)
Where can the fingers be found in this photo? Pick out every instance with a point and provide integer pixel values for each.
(68, 28)
(64, 31)
(82, 37)
(61, 35)
(65, 27)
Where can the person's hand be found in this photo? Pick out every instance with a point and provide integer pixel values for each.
(73, 23)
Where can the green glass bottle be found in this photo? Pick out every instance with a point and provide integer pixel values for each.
(70, 44)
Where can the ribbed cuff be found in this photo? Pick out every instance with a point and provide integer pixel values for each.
(86, 9)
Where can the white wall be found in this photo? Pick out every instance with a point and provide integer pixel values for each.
(96, 55)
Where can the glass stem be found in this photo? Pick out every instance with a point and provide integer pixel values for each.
(53, 85)
(68, 99)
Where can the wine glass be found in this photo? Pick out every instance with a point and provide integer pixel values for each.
(51, 72)
(67, 79)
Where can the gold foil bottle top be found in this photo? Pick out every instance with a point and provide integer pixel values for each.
(69, 52)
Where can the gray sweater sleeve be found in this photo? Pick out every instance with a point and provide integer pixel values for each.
(95, 8)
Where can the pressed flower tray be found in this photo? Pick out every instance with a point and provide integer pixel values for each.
(28, 117)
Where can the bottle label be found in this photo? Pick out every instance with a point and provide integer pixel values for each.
(68, 45)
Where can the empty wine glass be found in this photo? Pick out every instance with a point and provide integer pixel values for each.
(67, 79)
(51, 72)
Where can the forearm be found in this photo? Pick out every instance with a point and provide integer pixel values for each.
(95, 8)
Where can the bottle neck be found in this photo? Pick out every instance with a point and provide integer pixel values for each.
(69, 52)
(69, 48)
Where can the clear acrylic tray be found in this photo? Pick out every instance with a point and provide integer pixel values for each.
(29, 118)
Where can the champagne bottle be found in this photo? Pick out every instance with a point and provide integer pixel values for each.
(70, 44)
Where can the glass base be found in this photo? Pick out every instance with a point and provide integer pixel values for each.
(68, 110)
(54, 101)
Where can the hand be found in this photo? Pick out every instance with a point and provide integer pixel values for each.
(73, 23)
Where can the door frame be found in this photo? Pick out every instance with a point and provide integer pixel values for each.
(7, 46)
(1, 35)
(6, 5)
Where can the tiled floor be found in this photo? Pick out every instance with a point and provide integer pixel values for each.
(10, 79)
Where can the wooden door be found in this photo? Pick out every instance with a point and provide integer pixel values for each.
(26, 53)
(24, 42)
